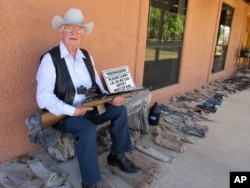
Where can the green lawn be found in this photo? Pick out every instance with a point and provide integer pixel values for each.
(164, 54)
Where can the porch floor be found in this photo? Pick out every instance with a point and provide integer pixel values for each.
(205, 164)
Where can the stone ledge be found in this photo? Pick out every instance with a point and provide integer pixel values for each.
(137, 107)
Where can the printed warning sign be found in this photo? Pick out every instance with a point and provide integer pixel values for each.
(118, 79)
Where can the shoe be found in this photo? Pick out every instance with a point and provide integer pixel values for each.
(208, 107)
(122, 162)
(89, 186)
(189, 123)
(176, 146)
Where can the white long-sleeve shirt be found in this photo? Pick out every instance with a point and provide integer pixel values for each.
(46, 77)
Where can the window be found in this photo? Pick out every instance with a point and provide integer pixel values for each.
(166, 24)
(222, 38)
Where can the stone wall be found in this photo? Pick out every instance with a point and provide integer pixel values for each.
(60, 146)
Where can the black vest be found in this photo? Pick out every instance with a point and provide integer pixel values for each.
(64, 88)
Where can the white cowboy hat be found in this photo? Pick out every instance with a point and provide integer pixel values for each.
(72, 16)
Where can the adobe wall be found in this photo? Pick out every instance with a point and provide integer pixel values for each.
(118, 39)
(26, 34)
(199, 43)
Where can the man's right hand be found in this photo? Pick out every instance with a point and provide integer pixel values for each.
(81, 110)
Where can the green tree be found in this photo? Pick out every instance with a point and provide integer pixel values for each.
(173, 26)
(154, 24)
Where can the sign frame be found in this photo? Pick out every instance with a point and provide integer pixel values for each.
(118, 79)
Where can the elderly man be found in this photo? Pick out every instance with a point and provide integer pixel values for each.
(65, 68)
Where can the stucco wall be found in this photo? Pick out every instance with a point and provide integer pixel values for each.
(118, 39)
(26, 33)
(199, 42)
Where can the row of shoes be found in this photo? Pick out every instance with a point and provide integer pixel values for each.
(181, 109)
(178, 119)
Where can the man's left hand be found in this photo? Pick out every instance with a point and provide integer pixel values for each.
(118, 101)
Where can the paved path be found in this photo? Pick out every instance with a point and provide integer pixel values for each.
(207, 163)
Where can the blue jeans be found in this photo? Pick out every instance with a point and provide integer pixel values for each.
(83, 128)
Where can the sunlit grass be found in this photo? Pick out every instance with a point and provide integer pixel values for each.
(163, 54)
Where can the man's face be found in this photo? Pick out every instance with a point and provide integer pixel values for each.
(71, 35)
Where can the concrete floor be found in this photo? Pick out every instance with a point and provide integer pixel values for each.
(206, 163)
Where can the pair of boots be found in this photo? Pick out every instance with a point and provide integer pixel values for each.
(168, 140)
(120, 160)
(89, 186)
